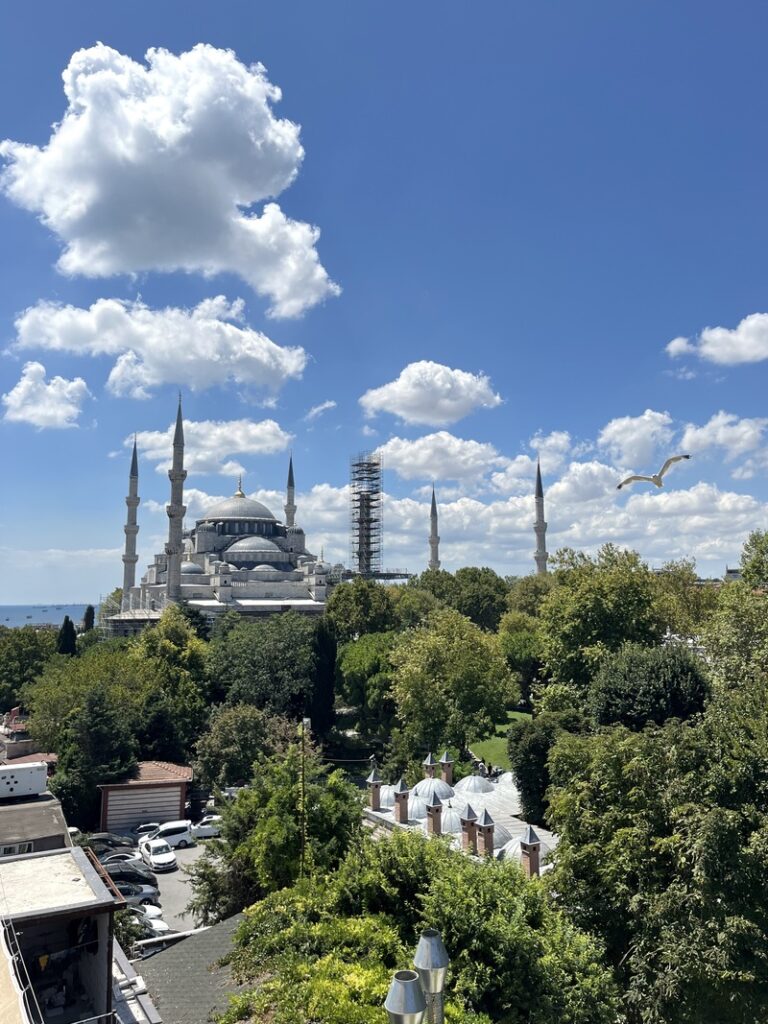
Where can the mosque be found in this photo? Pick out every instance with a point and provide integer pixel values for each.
(238, 556)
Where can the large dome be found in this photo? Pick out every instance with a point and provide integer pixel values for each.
(237, 507)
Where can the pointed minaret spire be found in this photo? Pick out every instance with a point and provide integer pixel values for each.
(240, 493)
(290, 505)
(434, 539)
(176, 510)
(130, 558)
(540, 526)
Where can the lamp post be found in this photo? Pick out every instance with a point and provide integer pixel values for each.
(431, 961)
(405, 1002)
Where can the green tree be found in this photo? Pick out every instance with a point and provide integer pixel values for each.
(451, 683)
(23, 654)
(362, 606)
(66, 641)
(235, 739)
(365, 679)
(640, 685)
(481, 595)
(530, 742)
(439, 583)
(527, 593)
(320, 705)
(736, 638)
(98, 748)
(412, 605)
(683, 604)
(88, 618)
(754, 560)
(598, 605)
(521, 645)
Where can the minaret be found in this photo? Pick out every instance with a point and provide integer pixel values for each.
(290, 505)
(540, 526)
(434, 539)
(130, 558)
(176, 510)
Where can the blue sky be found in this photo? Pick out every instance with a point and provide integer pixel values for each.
(532, 200)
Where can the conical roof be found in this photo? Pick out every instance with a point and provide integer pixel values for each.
(429, 761)
(400, 787)
(373, 777)
(529, 836)
(469, 814)
(539, 488)
(485, 818)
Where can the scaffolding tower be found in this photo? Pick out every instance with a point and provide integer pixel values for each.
(367, 514)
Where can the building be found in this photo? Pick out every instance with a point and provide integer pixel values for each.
(237, 556)
(31, 819)
(17, 745)
(540, 526)
(158, 792)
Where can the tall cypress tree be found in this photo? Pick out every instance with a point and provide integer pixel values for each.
(66, 641)
(88, 618)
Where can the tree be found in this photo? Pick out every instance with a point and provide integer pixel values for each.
(683, 604)
(527, 593)
(235, 739)
(439, 583)
(736, 637)
(639, 685)
(521, 645)
(200, 625)
(598, 605)
(481, 595)
(412, 605)
(98, 748)
(88, 618)
(529, 742)
(66, 641)
(362, 606)
(296, 812)
(451, 683)
(23, 654)
(323, 693)
(754, 560)
(365, 678)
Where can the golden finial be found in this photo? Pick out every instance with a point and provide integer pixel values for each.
(239, 491)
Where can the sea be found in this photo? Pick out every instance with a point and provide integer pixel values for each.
(40, 614)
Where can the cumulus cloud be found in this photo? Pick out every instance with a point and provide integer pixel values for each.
(746, 343)
(440, 456)
(634, 440)
(56, 403)
(432, 394)
(736, 436)
(196, 348)
(207, 444)
(318, 410)
(158, 166)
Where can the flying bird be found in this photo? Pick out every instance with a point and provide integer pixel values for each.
(657, 477)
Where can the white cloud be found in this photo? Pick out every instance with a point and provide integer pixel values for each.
(727, 431)
(158, 166)
(318, 410)
(55, 403)
(440, 456)
(746, 343)
(551, 449)
(634, 440)
(207, 444)
(198, 348)
(433, 394)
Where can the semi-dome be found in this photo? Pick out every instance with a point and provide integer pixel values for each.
(429, 788)
(192, 569)
(254, 548)
(473, 784)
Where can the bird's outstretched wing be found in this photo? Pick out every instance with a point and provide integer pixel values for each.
(668, 463)
(630, 479)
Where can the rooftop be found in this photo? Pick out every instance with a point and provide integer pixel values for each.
(49, 883)
(30, 818)
(149, 772)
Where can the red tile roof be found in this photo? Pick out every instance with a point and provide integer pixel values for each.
(161, 771)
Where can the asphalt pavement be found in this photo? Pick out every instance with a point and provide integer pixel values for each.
(176, 891)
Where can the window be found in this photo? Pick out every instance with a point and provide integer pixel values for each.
(12, 851)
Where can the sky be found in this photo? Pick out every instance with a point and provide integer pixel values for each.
(461, 235)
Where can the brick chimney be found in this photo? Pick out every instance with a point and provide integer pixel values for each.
(469, 830)
(374, 789)
(530, 853)
(401, 803)
(429, 764)
(435, 816)
(446, 768)
(485, 830)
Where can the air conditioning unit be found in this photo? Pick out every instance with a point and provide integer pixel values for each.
(29, 779)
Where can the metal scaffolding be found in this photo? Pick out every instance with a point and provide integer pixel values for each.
(367, 514)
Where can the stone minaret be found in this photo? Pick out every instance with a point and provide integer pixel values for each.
(176, 511)
(130, 558)
(540, 526)
(290, 505)
(434, 539)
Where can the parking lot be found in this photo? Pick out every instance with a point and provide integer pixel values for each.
(175, 890)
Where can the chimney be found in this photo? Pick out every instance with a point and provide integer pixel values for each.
(435, 816)
(401, 803)
(405, 1002)
(374, 789)
(469, 830)
(485, 831)
(431, 962)
(530, 853)
(429, 764)
(446, 768)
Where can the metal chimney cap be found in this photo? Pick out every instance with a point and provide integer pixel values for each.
(405, 1002)
(431, 961)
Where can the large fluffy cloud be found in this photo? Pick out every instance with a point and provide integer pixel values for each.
(158, 166)
(734, 435)
(198, 348)
(432, 394)
(634, 440)
(440, 456)
(746, 343)
(207, 444)
(55, 403)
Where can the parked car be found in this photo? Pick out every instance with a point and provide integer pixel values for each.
(142, 831)
(136, 873)
(207, 827)
(158, 855)
(148, 910)
(176, 833)
(111, 839)
(128, 857)
(136, 895)
(152, 927)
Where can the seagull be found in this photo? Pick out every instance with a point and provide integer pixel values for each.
(656, 478)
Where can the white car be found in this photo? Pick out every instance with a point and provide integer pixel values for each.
(124, 857)
(142, 831)
(148, 910)
(157, 855)
(207, 827)
(151, 921)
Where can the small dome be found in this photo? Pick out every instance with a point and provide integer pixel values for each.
(322, 568)
(387, 797)
(428, 788)
(511, 850)
(417, 808)
(192, 569)
(254, 549)
(506, 779)
(450, 821)
(264, 568)
(473, 784)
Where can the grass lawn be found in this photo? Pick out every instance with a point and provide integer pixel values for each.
(494, 749)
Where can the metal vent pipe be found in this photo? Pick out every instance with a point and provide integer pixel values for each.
(405, 1002)
(431, 961)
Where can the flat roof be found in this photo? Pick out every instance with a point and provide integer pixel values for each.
(52, 882)
(29, 818)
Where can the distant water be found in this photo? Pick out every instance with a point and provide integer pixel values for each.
(35, 614)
